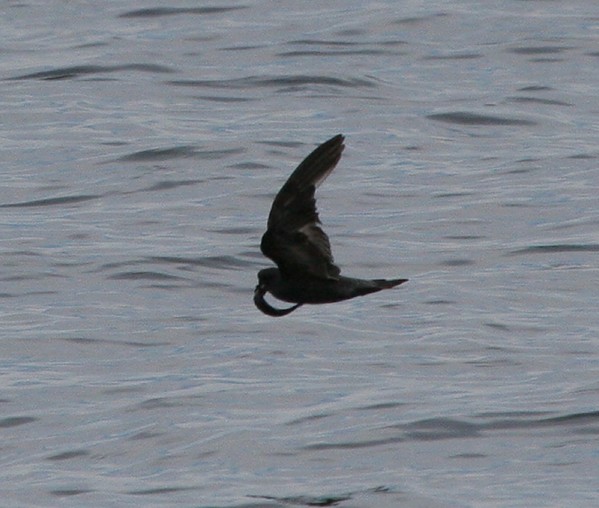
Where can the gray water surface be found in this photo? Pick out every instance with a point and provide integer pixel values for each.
(142, 145)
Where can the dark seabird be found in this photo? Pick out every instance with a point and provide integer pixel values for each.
(301, 250)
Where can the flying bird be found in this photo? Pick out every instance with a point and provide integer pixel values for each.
(295, 241)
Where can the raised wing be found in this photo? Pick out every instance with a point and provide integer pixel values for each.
(294, 239)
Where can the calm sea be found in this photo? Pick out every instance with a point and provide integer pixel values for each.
(142, 144)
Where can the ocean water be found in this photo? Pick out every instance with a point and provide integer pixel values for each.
(142, 144)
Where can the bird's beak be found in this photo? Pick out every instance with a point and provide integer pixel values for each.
(265, 307)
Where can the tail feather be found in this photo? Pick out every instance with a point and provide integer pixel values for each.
(388, 283)
(366, 287)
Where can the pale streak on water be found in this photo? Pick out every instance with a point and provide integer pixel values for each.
(142, 145)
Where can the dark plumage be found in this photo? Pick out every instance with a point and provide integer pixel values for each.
(294, 240)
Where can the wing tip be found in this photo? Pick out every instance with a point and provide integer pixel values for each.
(338, 139)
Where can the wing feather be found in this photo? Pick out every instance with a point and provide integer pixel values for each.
(294, 239)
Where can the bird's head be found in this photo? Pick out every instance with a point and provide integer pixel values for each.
(267, 278)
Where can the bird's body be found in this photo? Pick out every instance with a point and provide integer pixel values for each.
(294, 240)
(314, 290)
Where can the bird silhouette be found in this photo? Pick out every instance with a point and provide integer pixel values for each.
(294, 240)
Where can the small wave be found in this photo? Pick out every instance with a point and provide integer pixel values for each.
(277, 81)
(352, 445)
(71, 454)
(540, 50)
(331, 47)
(457, 262)
(444, 428)
(15, 421)
(574, 418)
(160, 491)
(535, 100)
(170, 184)
(177, 152)
(80, 70)
(324, 500)
(69, 492)
(307, 500)
(144, 275)
(211, 98)
(62, 200)
(221, 262)
(345, 52)
(455, 56)
(466, 118)
(535, 88)
(154, 12)
(434, 429)
(158, 154)
(440, 428)
(85, 341)
(554, 248)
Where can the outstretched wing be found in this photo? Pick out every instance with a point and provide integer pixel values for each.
(294, 239)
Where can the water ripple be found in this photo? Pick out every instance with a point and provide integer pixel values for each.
(177, 152)
(324, 500)
(81, 70)
(69, 492)
(224, 262)
(154, 12)
(341, 47)
(554, 248)
(466, 118)
(144, 275)
(15, 421)
(62, 200)
(539, 50)
(277, 82)
(72, 454)
(442, 428)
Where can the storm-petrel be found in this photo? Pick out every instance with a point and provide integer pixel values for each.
(295, 241)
